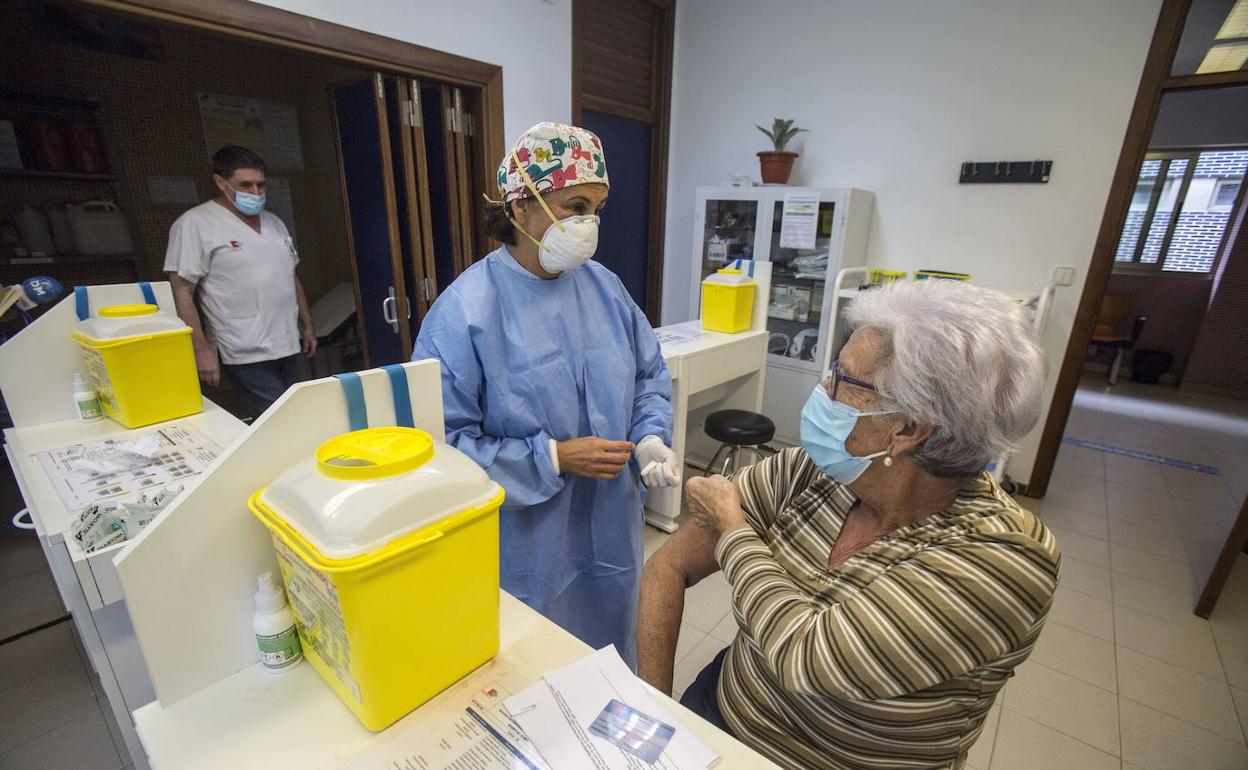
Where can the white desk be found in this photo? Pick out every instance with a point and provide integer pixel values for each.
(255, 719)
(88, 583)
(709, 371)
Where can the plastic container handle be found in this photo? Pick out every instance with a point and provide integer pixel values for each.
(28, 522)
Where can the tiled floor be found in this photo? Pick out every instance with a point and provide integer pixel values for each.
(1125, 676)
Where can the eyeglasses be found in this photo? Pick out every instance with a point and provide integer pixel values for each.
(838, 377)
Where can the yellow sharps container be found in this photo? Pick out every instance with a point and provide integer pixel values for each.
(727, 301)
(142, 363)
(388, 546)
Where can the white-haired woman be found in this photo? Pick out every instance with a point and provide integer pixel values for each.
(883, 585)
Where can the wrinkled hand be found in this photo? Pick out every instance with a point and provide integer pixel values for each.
(714, 503)
(207, 365)
(309, 341)
(657, 463)
(594, 458)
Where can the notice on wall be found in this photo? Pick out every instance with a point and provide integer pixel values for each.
(799, 221)
(277, 200)
(178, 190)
(269, 129)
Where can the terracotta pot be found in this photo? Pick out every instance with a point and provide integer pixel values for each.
(776, 166)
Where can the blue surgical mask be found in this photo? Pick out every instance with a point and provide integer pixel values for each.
(826, 424)
(248, 204)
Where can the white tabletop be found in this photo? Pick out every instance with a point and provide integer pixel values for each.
(48, 511)
(256, 719)
(697, 339)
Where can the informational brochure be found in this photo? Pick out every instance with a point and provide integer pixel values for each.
(478, 734)
(799, 221)
(95, 471)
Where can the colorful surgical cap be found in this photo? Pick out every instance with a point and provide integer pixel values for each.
(554, 156)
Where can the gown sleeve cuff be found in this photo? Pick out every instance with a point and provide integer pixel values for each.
(554, 457)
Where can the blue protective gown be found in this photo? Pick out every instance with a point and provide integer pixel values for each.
(526, 360)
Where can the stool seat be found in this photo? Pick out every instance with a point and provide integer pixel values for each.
(738, 427)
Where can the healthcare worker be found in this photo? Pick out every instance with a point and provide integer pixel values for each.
(553, 381)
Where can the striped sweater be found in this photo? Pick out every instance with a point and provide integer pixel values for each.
(893, 659)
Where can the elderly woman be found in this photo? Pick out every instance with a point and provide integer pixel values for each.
(883, 585)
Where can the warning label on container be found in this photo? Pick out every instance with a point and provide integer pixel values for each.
(314, 600)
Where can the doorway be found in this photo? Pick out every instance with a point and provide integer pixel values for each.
(621, 90)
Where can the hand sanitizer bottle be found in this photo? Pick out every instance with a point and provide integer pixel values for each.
(274, 624)
(86, 401)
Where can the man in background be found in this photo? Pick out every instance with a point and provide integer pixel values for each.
(240, 261)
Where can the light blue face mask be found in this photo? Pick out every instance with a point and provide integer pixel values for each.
(826, 424)
(250, 205)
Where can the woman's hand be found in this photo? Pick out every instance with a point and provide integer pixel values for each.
(594, 458)
(714, 503)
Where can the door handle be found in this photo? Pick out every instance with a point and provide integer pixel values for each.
(408, 306)
(388, 313)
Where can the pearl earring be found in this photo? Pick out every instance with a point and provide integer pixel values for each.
(888, 461)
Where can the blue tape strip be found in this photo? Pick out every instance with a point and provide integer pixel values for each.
(401, 395)
(737, 266)
(357, 412)
(1152, 458)
(81, 303)
(149, 296)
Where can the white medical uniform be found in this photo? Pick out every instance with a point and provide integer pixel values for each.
(246, 281)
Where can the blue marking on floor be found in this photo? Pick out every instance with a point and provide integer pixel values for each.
(1142, 456)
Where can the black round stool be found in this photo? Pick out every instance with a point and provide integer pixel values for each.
(737, 429)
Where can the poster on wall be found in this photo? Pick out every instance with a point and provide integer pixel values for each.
(799, 220)
(269, 129)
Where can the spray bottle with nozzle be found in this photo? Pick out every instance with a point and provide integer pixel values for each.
(274, 624)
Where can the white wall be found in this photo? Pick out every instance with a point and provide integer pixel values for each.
(896, 95)
(530, 39)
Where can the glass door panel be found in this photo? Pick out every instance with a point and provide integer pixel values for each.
(727, 233)
(798, 278)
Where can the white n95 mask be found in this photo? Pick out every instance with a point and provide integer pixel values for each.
(568, 244)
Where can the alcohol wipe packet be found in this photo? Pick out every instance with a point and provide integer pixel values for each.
(642, 736)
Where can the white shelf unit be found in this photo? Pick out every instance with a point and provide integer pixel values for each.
(799, 347)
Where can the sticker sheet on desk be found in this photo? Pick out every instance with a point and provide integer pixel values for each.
(91, 472)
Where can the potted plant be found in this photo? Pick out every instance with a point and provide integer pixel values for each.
(776, 165)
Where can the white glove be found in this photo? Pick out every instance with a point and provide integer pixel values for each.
(657, 463)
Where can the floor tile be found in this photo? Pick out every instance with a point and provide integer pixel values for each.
(1140, 516)
(1024, 744)
(1240, 696)
(1091, 524)
(1066, 704)
(693, 663)
(34, 654)
(980, 755)
(1085, 577)
(1078, 654)
(1203, 701)
(1186, 643)
(652, 539)
(81, 743)
(1153, 740)
(1093, 550)
(1087, 502)
(1082, 612)
(1154, 541)
(689, 638)
(1075, 482)
(1157, 569)
(1152, 599)
(1132, 464)
(59, 695)
(726, 629)
(706, 604)
(1139, 477)
(1232, 641)
(1066, 465)
(1143, 498)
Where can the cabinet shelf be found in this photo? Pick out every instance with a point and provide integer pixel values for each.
(67, 259)
(61, 175)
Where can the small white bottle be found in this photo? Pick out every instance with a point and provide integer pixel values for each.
(274, 624)
(86, 401)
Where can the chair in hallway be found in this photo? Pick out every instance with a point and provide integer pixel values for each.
(735, 430)
(1114, 307)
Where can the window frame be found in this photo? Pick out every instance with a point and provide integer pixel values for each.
(1192, 155)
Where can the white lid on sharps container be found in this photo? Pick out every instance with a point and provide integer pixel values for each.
(366, 488)
(121, 321)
